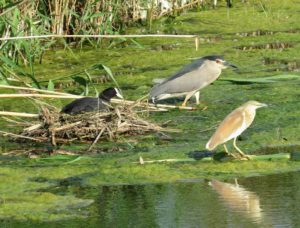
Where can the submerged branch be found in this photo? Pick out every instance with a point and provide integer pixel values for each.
(97, 36)
(19, 114)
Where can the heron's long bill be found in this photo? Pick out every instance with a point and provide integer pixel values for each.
(230, 65)
(264, 105)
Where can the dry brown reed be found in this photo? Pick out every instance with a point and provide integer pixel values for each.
(59, 128)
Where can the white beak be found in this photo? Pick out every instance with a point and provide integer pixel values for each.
(119, 94)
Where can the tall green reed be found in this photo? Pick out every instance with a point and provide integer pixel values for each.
(30, 17)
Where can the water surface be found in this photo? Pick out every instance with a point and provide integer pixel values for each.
(266, 201)
(262, 201)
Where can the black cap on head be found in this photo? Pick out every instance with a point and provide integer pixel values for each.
(219, 57)
(213, 57)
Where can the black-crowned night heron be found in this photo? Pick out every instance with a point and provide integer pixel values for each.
(190, 79)
(89, 104)
(233, 125)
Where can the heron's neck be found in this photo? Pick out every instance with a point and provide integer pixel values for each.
(216, 71)
(250, 113)
(252, 109)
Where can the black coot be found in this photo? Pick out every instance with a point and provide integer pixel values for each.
(89, 104)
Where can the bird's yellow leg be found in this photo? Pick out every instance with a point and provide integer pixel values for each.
(240, 151)
(236, 182)
(226, 150)
(225, 147)
(187, 97)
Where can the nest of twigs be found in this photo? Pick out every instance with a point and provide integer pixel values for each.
(88, 127)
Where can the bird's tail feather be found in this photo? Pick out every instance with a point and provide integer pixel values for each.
(210, 145)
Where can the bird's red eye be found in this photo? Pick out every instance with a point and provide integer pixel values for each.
(218, 61)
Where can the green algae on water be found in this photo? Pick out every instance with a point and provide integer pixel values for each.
(53, 189)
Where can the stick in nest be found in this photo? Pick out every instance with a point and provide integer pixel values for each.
(63, 128)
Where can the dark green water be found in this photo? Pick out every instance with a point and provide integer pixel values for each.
(263, 201)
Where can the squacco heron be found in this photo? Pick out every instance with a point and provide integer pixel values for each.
(233, 125)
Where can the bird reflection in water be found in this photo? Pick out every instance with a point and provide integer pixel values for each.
(238, 199)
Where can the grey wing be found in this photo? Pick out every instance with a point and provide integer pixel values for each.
(178, 84)
(190, 82)
(188, 68)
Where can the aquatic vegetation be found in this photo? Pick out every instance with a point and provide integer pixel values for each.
(49, 188)
(56, 179)
(20, 193)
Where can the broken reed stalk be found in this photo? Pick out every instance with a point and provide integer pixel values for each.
(266, 157)
(98, 36)
(13, 7)
(23, 123)
(35, 90)
(19, 114)
(4, 133)
(160, 107)
(96, 140)
(102, 36)
(37, 95)
(71, 96)
(142, 161)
